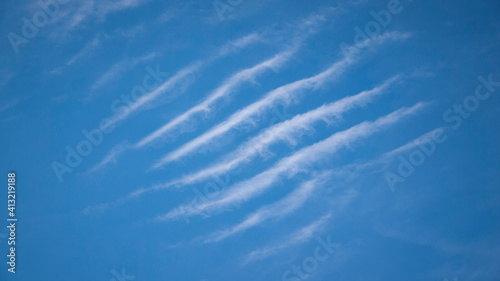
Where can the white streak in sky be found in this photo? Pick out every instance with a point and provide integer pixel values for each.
(85, 51)
(284, 131)
(181, 75)
(284, 94)
(119, 68)
(279, 209)
(295, 238)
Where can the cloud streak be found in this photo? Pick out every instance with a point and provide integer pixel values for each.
(120, 67)
(412, 144)
(111, 157)
(305, 29)
(85, 51)
(381, 162)
(295, 238)
(283, 94)
(291, 165)
(180, 76)
(224, 90)
(99, 9)
(9, 104)
(288, 131)
(279, 209)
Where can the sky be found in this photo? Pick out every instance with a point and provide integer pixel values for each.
(251, 139)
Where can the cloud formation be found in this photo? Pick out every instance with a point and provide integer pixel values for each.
(289, 166)
(284, 94)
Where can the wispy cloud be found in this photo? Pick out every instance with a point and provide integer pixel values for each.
(119, 68)
(224, 90)
(298, 237)
(291, 165)
(283, 94)
(106, 7)
(180, 76)
(288, 131)
(5, 76)
(98, 10)
(306, 28)
(84, 52)
(386, 158)
(279, 209)
(111, 157)
(172, 82)
(168, 15)
(9, 104)
(412, 144)
(236, 45)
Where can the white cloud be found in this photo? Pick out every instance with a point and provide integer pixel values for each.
(5, 76)
(99, 10)
(284, 131)
(284, 94)
(289, 166)
(9, 104)
(300, 236)
(119, 68)
(224, 90)
(279, 209)
(84, 52)
(412, 144)
(308, 27)
(354, 169)
(110, 157)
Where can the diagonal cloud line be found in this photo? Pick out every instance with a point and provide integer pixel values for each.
(279, 209)
(229, 48)
(282, 94)
(120, 67)
(9, 104)
(286, 130)
(111, 157)
(88, 48)
(305, 29)
(98, 9)
(291, 165)
(412, 144)
(295, 238)
(224, 90)
(385, 158)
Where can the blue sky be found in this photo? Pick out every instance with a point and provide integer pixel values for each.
(252, 140)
